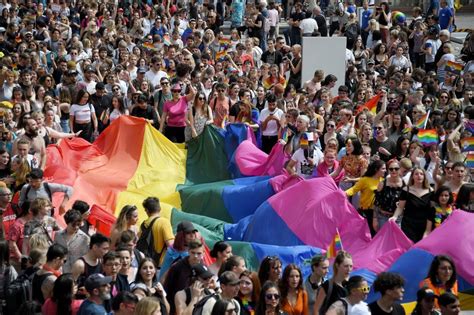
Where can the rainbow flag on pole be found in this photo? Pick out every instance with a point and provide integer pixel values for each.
(428, 137)
(335, 246)
(454, 67)
(469, 126)
(470, 160)
(371, 105)
(467, 144)
(421, 123)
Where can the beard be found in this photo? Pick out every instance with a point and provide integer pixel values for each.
(32, 133)
(104, 296)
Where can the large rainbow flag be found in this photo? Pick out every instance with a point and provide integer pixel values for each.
(233, 191)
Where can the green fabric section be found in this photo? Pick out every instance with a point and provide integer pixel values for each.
(205, 199)
(246, 251)
(211, 229)
(207, 161)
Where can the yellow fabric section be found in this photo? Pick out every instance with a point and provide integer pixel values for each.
(162, 166)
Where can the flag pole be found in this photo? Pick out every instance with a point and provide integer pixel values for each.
(426, 120)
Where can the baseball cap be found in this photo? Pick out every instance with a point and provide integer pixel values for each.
(95, 281)
(425, 293)
(201, 271)
(141, 70)
(72, 72)
(186, 227)
(371, 62)
(2, 30)
(229, 278)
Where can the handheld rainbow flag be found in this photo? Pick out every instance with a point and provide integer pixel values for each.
(454, 67)
(149, 45)
(220, 55)
(467, 144)
(284, 134)
(225, 42)
(428, 137)
(469, 126)
(371, 105)
(335, 246)
(166, 40)
(407, 129)
(421, 123)
(470, 160)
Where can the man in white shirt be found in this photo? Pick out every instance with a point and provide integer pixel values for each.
(155, 74)
(308, 25)
(270, 120)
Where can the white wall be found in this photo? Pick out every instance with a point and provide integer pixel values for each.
(325, 53)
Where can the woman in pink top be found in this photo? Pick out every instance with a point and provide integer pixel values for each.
(174, 113)
(62, 302)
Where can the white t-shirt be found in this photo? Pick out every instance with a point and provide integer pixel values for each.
(82, 112)
(272, 125)
(303, 167)
(155, 77)
(309, 26)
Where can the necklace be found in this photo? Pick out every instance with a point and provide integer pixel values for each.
(440, 214)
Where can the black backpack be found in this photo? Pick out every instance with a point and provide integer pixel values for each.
(18, 292)
(199, 306)
(146, 242)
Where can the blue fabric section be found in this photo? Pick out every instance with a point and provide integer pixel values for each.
(413, 266)
(236, 231)
(257, 233)
(250, 180)
(242, 200)
(235, 134)
(299, 255)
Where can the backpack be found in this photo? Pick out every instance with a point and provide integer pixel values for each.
(199, 306)
(352, 31)
(146, 242)
(26, 205)
(18, 292)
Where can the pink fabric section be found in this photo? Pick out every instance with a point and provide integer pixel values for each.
(254, 162)
(251, 135)
(454, 238)
(389, 244)
(314, 208)
(284, 181)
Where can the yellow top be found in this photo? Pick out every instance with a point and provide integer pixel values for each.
(367, 187)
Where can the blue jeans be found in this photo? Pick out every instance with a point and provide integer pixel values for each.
(65, 125)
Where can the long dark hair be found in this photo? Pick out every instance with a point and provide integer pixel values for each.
(119, 99)
(284, 285)
(4, 254)
(62, 293)
(138, 278)
(265, 266)
(219, 247)
(464, 196)
(261, 306)
(433, 272)
(80, 94)
(373, 168)
(221, 306)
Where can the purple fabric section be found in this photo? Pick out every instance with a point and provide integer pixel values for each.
(387, 246)
(314, 208)
(251, 161)
(454, 238)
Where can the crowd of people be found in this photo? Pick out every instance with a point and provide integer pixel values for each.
(71, 68)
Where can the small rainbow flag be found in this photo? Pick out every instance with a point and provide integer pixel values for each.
(454, 67)
(284, 134)
(224, 42)
(470, 160)
(467, 144)
(166, 40)
(421, 123)
(407, 129)
(220, 55)
(469, 126)
(371, 105)
(149, 45)
(428, 137)
(335, 246)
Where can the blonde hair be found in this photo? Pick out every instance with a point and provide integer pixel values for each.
(340, 257)
(147, 305)
(39, 241)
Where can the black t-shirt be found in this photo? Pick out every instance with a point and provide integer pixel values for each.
(375, 309)
(273, 58)
(388, 144)
(148, 113)
(234, 110)
(298, 16)
(257, 31)
(337, 293)
(322, 25)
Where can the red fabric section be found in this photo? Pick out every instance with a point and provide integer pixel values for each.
(98, 172)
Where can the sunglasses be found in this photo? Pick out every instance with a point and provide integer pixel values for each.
(391, 169)
(330, 126)
(364, 289)
(221, 91)
(176, 91)
(201, 98)
(378, 128)
(165, 83)
(270, 296)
